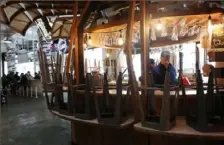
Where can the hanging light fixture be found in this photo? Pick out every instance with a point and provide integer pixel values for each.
(89, 40)
(120, 40)
(108, 53)
(210, 27)
(84, 45)
(159, 26)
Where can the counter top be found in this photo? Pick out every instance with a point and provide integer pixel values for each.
(181, 129)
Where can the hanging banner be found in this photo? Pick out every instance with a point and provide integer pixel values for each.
(217, 38)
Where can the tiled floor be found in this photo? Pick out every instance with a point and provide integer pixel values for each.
(26, 121)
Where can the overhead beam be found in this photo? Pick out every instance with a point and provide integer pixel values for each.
(38, 7)
(23, 32)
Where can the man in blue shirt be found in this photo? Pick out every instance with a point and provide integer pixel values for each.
(159, 71)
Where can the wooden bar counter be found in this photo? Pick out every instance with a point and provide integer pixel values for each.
(131, 132)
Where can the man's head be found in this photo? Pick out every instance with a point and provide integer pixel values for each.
(165, 58)
(151, 63)
(207, 68)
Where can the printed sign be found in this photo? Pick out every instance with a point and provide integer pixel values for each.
(217, 41)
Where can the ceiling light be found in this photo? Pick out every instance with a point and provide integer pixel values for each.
(89, 40)
(120, 40)
(159, 26)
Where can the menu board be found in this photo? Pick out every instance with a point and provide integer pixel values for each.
(217, 40)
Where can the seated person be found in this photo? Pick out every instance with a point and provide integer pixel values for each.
(207, 68)
(159, 71)
(151, 66)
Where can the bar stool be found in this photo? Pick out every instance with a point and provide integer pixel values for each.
(205, 118)
(82, 99)
(167, 117)
(110, 110)
(48, 81)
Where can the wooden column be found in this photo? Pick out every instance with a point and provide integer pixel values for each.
(128, 51)
(144, 36)
(72, 36)
(79, 59)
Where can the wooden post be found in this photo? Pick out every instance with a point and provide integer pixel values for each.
(72, 36)
(79, 56)
(128, 51)
(79, 51)
(144, 36)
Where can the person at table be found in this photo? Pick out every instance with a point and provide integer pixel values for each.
(159, 71)
(207, 69)
(151, 66)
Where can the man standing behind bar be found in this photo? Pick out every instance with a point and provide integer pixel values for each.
(159, 71)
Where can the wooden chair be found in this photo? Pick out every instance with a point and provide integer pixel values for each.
(51, 80)
(112, 110)
(82, 98)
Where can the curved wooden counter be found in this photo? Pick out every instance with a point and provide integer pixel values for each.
(125, 124)
(181, 129)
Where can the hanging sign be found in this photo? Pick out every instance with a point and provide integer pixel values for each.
(217, 38)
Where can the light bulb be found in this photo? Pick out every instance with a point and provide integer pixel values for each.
(84, 45)
(159, 26)
(107, 55)
(89, 40)
(210, 27)
(120, 41)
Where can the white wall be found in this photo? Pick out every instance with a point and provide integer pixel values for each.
(28, 66)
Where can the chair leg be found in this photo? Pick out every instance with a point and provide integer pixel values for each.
(36, 92)
(27, 91)
(31, 91)
(23, 91)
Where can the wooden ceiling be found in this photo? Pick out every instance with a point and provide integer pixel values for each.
(20, 14)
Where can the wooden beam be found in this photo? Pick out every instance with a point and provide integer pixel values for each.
(40, 7)
(79, 65)
(28, 25)
(112, 23)
(73, 33)
(144, 38)
(128, 51)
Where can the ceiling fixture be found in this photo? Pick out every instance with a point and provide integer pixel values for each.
(210, 27)
(159, 25)
(89, 40)
(120, 40)
(7, 40)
